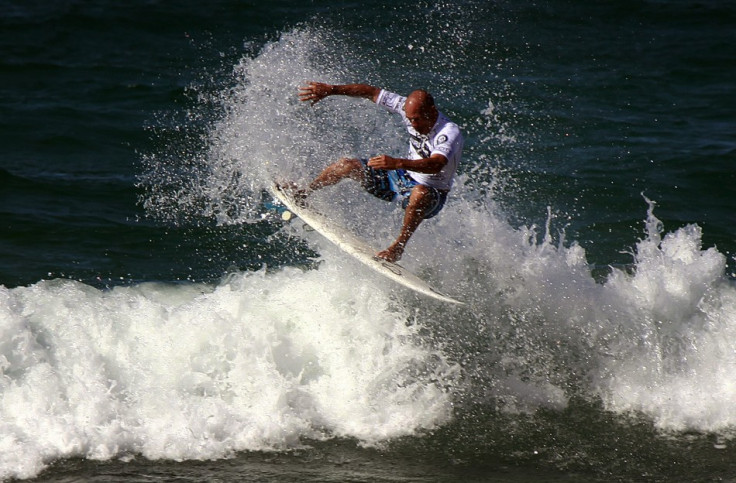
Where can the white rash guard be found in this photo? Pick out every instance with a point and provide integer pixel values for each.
(444, 138)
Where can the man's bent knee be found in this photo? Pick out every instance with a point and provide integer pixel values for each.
(350, 167)
(421, 197)
(350, 163)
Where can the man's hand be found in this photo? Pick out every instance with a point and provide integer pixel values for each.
(384, 162)
(315, 92)
(430, 165)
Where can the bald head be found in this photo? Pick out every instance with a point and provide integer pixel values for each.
(422, 97)
(421, 111)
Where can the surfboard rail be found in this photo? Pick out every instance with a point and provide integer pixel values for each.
(357, 247)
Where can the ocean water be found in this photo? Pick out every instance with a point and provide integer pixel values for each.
(159, 323)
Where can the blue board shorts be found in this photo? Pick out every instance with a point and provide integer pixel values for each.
(396, 184)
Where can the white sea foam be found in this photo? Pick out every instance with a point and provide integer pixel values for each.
(676, 322)
(266, 360)
(189, 372)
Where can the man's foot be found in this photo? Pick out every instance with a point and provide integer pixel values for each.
(298, 194)
(392, 253)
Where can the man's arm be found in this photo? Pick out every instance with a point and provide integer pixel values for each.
(430, 165)
(316, 91)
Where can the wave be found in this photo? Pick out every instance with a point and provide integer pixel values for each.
(268, 359)
(194, 372)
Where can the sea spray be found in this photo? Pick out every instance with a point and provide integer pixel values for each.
(681, 317)
(652, 338)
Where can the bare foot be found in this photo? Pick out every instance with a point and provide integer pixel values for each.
(392, 253)
(298, 194)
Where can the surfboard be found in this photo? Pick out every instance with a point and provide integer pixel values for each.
(357, 247)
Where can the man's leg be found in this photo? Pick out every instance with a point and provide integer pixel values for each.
(332, 174)
(344, 168)
(420, 200)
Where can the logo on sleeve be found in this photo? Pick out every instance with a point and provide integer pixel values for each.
(442, 139)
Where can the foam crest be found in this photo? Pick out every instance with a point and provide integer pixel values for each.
(261, 361)
(652, 339)
(681, 311)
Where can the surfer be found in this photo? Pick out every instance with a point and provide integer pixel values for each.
(422, 180)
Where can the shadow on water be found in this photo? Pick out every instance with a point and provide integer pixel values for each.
(581, 443)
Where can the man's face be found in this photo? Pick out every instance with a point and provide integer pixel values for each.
(420, 117)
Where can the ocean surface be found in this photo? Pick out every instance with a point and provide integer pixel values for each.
(159, 322)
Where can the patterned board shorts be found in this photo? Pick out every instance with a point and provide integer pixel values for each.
(395, 185)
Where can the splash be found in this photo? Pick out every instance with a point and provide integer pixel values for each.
(541, 328)
(265, 133)
(679, 322)
(651, 340)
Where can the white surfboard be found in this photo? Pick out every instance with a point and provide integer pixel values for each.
(358, 248)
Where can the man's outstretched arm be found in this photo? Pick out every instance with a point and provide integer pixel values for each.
(316, 91)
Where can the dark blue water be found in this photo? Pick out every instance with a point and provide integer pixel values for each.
(156, 322)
